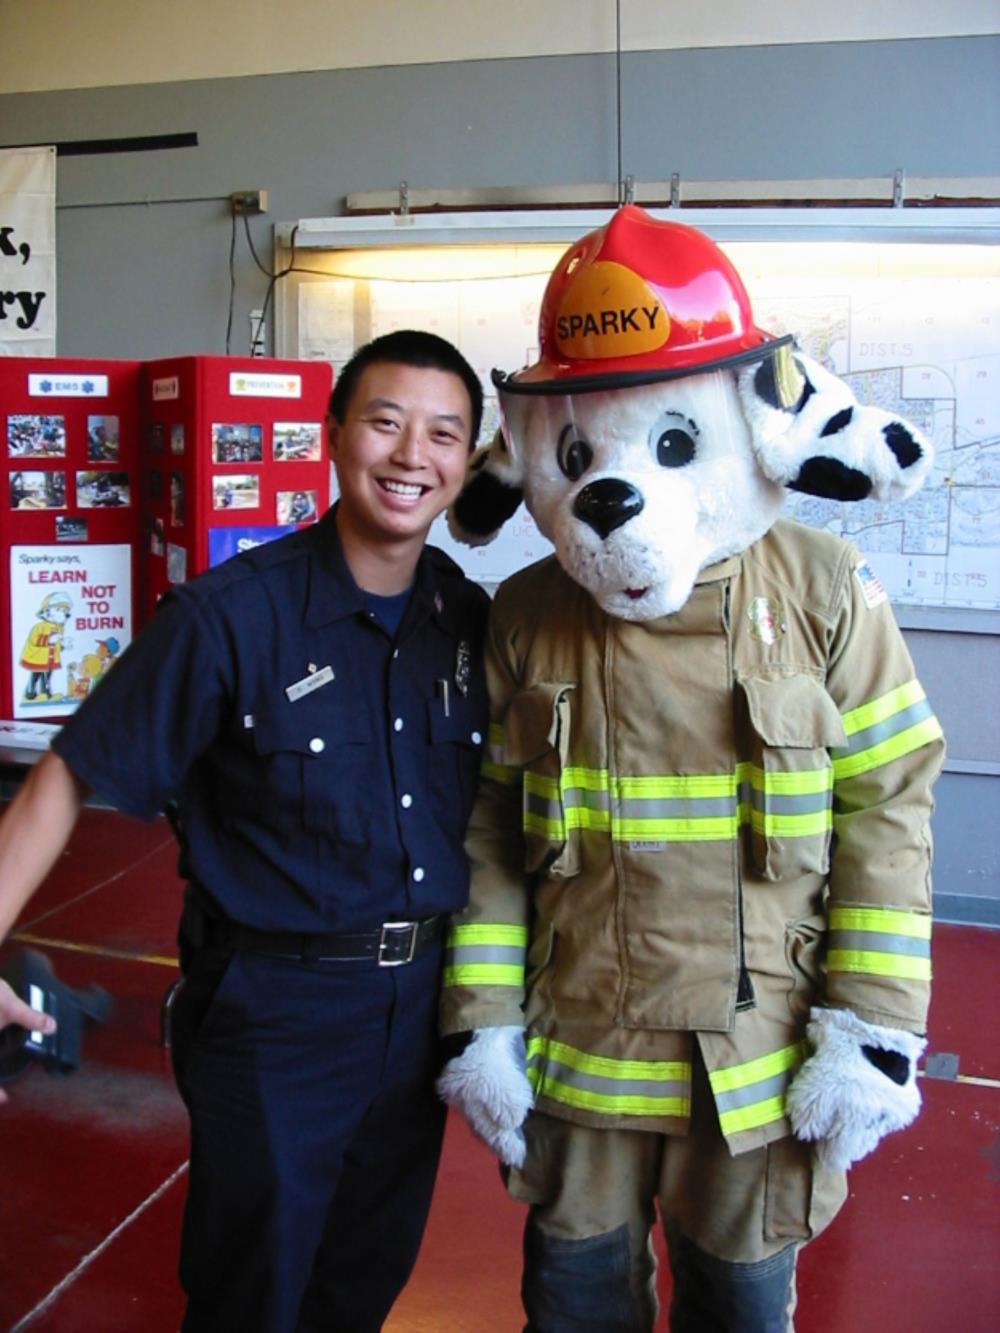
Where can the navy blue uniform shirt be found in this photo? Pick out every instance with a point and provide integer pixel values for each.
(323, 772)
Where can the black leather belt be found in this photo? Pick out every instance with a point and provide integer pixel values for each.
(395, 943)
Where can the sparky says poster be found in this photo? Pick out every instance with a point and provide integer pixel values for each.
(71, 619)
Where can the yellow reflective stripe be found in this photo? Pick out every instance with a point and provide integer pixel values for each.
(484, 974)
(495, 734)
(487, 933)
(499, 772)
(592, 779)
(879, 964)
(882, 920)
(553, 830)
(608, 1103)
(540, 785)
(905, 742)
(711, 828)
(755, 1071)
(877, 710)
(807, 782)
(582, 816)
(751, 1117)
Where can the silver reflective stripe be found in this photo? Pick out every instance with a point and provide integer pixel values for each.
(675, 807)
(880, 942)
(774, 803)
(737, 1098)
(484, 953)
(884, 730)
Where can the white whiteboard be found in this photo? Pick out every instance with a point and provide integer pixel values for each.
(913, 327)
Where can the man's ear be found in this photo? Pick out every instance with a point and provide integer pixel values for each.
(491, 494)
(332, 436)
(810, 433)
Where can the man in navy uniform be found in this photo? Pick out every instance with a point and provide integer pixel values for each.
(312, 712)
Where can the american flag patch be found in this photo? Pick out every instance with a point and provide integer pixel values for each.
(871, 585)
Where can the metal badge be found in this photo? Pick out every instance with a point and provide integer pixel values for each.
(463, 667)
(767, 619)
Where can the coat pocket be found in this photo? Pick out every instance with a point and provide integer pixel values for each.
(537, 733)
(786, 786)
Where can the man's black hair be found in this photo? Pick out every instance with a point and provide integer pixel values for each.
(408, 347)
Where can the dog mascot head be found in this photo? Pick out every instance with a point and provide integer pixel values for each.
(658, 430)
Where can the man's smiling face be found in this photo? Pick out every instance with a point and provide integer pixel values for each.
(401, 451)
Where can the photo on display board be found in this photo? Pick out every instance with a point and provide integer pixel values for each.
(70, 528)
(36, 437)
(38, 490)
(237, 491)
(296, 507)
(297, 441)
(156, 437)
(156, 536)
(237, 443)
(102, 439)
(177, 499)
(103, 490)
(176, 563)
(176, 439)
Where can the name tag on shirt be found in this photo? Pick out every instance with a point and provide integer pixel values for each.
(307, 684)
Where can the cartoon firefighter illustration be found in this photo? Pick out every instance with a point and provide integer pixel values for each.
(42, 651)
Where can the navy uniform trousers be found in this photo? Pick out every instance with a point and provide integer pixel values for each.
(314, 1124)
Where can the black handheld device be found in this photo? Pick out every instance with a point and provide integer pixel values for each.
(30, 975)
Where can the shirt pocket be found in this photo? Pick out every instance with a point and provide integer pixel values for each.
(786, 787)
(318, 753)
(453, 760)
(537, 734)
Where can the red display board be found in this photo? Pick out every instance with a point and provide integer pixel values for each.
(69, 528)
(233, 454)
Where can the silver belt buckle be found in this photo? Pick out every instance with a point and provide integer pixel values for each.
(411, 926)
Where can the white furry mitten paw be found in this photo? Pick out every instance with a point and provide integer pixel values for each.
(488, 1084)
(859, 1085)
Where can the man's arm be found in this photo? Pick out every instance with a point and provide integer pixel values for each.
(33, 833)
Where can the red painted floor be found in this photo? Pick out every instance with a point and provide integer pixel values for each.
(93, 1167)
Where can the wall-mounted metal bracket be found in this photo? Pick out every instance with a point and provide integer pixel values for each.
(898, 187)
(675, 189)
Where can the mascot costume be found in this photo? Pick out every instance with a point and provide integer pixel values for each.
(694, 970)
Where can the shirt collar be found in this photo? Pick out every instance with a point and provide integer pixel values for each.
(333, 593)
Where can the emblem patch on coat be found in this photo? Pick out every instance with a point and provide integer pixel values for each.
(872, 589)
(767, 619)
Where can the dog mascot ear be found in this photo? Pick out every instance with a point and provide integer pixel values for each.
(490, 496)
(826, 443)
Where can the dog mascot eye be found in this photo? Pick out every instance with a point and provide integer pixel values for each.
(574, 455)
(673, 445)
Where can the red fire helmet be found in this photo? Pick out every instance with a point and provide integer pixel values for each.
(640, 300)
